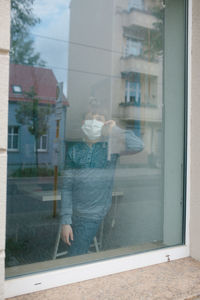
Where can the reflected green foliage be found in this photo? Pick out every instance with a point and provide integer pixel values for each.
(34, 116)
(22, 45)
(32, 172)
(155, 41)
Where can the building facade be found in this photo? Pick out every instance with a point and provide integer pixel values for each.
(21, 143)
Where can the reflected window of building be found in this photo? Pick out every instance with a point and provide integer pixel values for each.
(138, 4)
(17, 89)
(13, 138)
(132, 92)
(133, 47)
(42, 143)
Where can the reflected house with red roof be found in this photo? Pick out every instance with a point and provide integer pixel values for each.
(21, 144)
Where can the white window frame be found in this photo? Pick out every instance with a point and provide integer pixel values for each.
(59, 277)
(12, 134)
(40, 149)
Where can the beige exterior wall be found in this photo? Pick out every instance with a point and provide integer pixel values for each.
(4, 66)
(195, 135)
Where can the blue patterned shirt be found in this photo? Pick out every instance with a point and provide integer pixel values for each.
(88, 178)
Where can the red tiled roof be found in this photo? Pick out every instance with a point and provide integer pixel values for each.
(43, 80)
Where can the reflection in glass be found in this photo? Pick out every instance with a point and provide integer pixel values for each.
(88, 140)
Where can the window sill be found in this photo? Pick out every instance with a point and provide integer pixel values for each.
(132, 283)
(13, 150)
(74, 274)
(41, 151)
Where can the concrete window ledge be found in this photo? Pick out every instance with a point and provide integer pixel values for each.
(179, 279)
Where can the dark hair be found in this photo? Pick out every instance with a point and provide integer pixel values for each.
(95, 108)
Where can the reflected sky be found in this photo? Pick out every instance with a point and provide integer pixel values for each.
(51, 35)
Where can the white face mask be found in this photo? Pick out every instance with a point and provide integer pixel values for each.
(92, 129)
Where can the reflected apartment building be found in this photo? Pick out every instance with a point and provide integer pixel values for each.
(118, 62)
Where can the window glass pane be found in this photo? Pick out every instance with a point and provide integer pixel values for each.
(15, 141)
(44, 142)
(10, 129)
(100, 77)
(15, 129)
(9, 142)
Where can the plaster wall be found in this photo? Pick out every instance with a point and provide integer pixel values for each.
(195, 136)
(4, 66)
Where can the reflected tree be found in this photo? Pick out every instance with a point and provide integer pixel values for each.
(35, 116)
(154, 42)
(157, 41)
(22, 44)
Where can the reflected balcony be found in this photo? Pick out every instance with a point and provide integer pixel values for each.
(138, 18)
(132, 64)
(146, 113)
